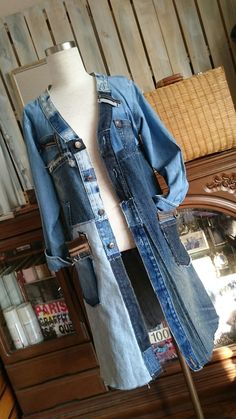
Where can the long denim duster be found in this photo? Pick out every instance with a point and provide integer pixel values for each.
(133, 144)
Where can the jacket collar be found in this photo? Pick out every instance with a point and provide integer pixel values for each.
(56, 119)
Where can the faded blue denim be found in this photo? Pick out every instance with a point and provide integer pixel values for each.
(133, 144)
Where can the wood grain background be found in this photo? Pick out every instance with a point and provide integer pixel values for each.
(145, 40)
(8, 407)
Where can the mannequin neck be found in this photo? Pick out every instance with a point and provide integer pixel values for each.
(67, 70)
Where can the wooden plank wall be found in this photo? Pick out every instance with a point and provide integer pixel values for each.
(142, 39)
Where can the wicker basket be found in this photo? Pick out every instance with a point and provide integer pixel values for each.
(199, 112)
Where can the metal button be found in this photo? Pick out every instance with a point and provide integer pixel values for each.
(111, 245)
(88, 178)
(101, 212)
(77, 144)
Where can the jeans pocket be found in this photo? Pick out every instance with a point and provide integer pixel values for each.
(170, 232)
(126, 142)
(88, 281)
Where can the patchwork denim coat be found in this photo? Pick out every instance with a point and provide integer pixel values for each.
(133, 144)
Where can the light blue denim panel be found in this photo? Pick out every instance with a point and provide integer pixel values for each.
(102, 83)
(46, 105)
(121, 362)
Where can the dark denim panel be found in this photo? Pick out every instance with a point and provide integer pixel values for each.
(50, 153)
(122, 190)
(58, 157)
(163, 271)
(58, 122)
(170, 232)
(104, 117)
(124, 139)
(70, 189)
(140, 177)
(143, 289)
(164, 274)
(88, 280)
(109, 157)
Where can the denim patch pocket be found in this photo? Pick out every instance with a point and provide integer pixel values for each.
(59, 160)
(54, 152)
(62, 166)
(126, 141)
(70, 189)
(49, 148)
(170, 232)
(88, 280)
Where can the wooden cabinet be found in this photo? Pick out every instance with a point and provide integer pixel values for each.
(62, 367)
(60, 376)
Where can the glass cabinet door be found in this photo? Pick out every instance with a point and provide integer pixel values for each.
(32, 304)
(210, 239)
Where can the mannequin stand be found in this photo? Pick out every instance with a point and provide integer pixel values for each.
(191, 387)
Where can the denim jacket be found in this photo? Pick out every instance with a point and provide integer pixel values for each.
(133, 144)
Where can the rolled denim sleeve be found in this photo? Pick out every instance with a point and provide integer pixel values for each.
(54, 237)
(162, 152)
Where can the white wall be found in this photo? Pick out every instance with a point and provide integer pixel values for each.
(8, 7)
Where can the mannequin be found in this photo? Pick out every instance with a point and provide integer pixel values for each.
(71, 84)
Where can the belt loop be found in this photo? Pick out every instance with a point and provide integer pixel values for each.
(79, 248)
(164, 215)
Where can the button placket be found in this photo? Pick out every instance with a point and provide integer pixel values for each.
(92, 189)
(90, 182)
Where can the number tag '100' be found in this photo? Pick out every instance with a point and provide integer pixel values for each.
(160, 335)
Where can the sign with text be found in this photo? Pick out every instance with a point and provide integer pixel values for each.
(54, 319)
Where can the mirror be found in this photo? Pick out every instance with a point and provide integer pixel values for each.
(28, 82)
(210, 238)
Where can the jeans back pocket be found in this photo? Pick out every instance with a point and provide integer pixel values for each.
(125, 141)
(170, 232)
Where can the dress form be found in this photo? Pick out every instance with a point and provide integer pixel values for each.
(74, 94)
